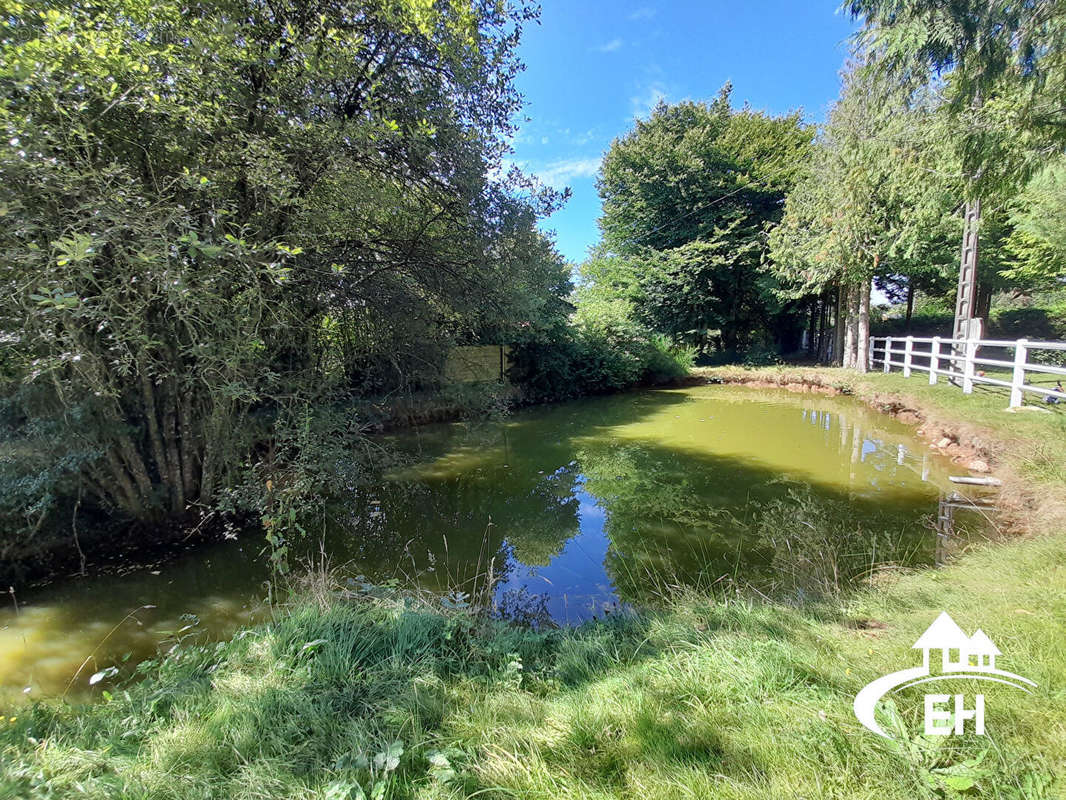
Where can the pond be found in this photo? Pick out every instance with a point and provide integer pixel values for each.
(556, 513)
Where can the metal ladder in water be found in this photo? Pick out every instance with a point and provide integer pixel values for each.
(949, 502)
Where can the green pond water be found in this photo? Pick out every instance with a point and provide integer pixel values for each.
(556, 513)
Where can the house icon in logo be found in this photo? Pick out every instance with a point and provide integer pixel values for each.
(982, 651)
(959, 652)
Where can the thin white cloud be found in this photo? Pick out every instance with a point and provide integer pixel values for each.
(582, 139)
(576, 139)
(611, 46)
(642, 104)
(559, 174)
(644, 12)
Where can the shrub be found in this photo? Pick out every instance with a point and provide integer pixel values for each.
(605, 350)
(569, 364)
(668, 361)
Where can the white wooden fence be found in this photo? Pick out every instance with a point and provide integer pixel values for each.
(958, 359)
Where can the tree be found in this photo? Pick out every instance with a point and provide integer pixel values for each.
(1000, 68)
(216, 211)
(1037, 242)
(687, 197)
(879, 200)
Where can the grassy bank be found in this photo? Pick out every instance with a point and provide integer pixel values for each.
(345, 695)
(703, 699)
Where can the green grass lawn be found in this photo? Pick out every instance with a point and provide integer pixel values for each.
(346, 697)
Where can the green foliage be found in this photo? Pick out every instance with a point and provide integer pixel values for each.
(688, 196)
(1038, 316)
(693, 168)
(1000, 67)
(1038, 238)
(39, 468)
(879, 195)
(666, 361)
(609, 327)
(605, 349)
(216, 214)
(311, 459)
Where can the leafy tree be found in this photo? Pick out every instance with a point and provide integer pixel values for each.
(1037, 241)
(1000, 66)
(687, 197)
(879, 199)
(214, 211)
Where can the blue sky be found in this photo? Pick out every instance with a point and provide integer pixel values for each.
(593, 65)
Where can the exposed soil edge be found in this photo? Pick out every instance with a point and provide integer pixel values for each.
(972, 447)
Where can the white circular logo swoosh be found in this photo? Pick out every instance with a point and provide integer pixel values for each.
(866, 700)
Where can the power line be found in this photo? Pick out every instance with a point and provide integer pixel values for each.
(704, 207)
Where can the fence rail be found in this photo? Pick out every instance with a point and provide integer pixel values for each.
(958, 360)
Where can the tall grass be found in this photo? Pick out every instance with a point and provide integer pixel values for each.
(354, 695)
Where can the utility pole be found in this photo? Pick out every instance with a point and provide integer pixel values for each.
(966, 297)
(967, 293)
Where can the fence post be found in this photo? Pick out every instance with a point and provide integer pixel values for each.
(934, 360)
(967, 370)
(908, 350)
(870, 355)
(888, 353)
(1021, 354)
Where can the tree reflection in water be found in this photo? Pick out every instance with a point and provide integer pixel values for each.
(629, 521)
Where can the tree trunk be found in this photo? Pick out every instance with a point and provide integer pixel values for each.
(910, 304)
(170, 435)
(847, 358)
(812, 335)
(823, 325)
(132, 461)
(820, 329)
(189, 442)
(730, 338)
(151, 414)
(838, 327)
(851, 326)
(983, 305)
(127, 493)
(862, 352)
